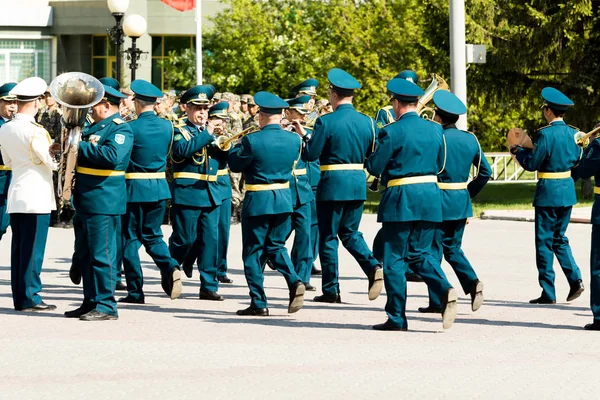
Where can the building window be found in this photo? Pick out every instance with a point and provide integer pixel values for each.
(20, 59)
(161, 47)
(104, 61)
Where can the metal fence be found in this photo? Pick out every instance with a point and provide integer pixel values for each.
(505, 169)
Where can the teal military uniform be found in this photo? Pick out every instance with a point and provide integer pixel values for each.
(267, 159)
(409, 155)
(147, 193)
(100, 199)
(554, 152)
(462, 152)
(386, 115)
(341, 141)
(5, 172)
(196, 196)
(590, 166)
(314, 175)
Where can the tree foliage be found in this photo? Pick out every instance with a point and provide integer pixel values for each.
(274, 44)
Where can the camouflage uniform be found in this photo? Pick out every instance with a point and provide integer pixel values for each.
(235, 122)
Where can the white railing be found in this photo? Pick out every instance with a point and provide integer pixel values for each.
(506, 169)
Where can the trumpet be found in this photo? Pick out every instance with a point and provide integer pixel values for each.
(225, 143)
(584, 139)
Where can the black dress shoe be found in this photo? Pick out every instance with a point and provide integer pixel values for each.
(449, 309)
(328, 298)
(412, 277)
(309, 287)
(270, 265)
(375, 282)
(224, 279)
(97, 316)
(68, 225)
(316, 271)
(476, 295)
(75, 274)
(132, 300)
(595, 326)
(430, 310)
(576, 290)
(388, 326)
(188, 269)
(121, 286)
(40, 307)
(171, 283)
(297, 291)
(78, 312)
(259, 312)
(542, 300)
(214, 296)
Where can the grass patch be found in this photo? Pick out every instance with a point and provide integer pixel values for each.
(495, 196)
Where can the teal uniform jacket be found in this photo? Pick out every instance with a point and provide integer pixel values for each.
(96, 194)
(314, 173)
(152, 138)
(546, 157)
(462, 151)
(422, 138)
(300, 183)
(266, 157)
(385, 116)
(223, 184)
(191, 153)
(344, 136)
(5, 176)
(588, 167)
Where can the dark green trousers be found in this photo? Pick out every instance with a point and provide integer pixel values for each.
(595, 272)
(141, 226)
(400, 239)
(99, 260)
(4, 218)
(550, 226)
(341, 219)
(29, 234)
(302, 257)
(266, 233)
(314, 228)
(224, 228)
(196, 235)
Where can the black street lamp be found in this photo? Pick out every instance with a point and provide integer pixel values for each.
(117, 9)
(134, 26)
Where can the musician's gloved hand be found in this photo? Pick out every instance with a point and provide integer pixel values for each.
(514, 149)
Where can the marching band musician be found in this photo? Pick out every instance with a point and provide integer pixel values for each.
(462, 152)
(196, 194)
(385, 115)
(267, 159)
(307, 87)
(147, 195)
(409, 155)
(8, 107)
(27, 148)
(100, 198)
(554, 154)
(590, 166)
(341, 141)
(302, 198)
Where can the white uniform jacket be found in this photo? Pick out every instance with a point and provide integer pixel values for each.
(25, 148)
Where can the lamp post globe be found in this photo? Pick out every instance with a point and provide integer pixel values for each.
(134, 26)
(117, 6)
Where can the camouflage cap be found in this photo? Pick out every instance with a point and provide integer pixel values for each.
(228, 96)
(236, 98)
(322, 103)
(250, 100)
(218, 96)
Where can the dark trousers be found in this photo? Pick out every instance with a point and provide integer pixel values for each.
(301, 256)
(400, 239)
(142, 226)
(265, 233)
(4, 218)
(29, 234)
(447, 245)
(195, 236)
(224, 227)
(595, 272)
(341, 219)
(550, 226)
(314, 227)
(99, 261)
(378, 252)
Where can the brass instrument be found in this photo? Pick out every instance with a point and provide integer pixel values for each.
(584, 139)
(312, 116)
(225, 143)
(438, 83)
(76, 92)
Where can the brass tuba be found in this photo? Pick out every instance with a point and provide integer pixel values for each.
(438, 83)
(76, 92)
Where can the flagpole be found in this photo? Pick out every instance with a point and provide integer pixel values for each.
(199, 42)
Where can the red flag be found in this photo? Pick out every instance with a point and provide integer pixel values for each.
(180, 5)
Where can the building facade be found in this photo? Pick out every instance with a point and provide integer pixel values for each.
(47, 37)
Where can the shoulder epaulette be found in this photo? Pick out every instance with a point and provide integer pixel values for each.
(387, 107)
(36, 124)
(574, 127)
(184, 132)
(118, 121)
(543, 127)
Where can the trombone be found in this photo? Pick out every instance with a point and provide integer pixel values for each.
(224, 143)
(584, 139)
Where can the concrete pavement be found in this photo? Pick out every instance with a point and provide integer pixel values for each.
(189, 348)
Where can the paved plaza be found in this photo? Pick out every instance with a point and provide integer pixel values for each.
(189, 348)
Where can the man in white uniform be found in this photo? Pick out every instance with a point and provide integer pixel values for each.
(26, 148)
